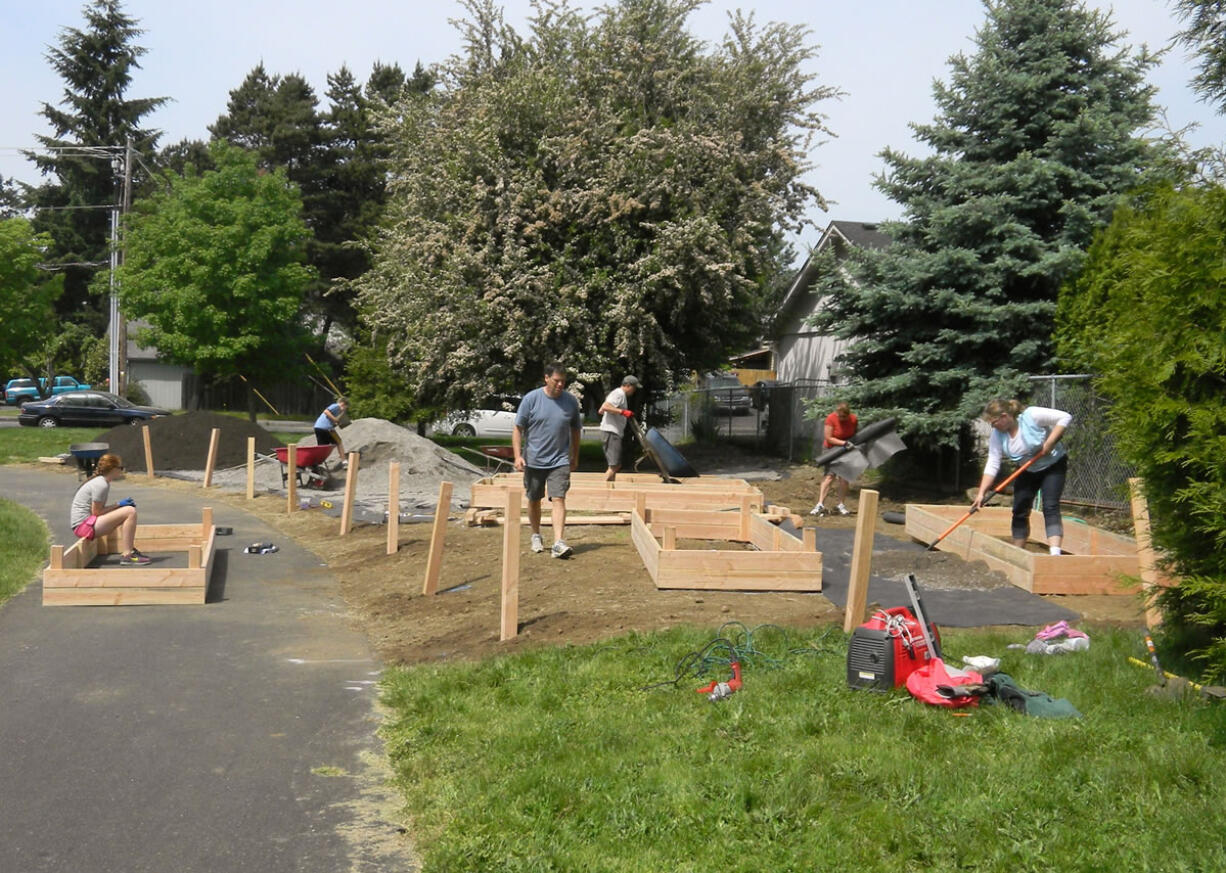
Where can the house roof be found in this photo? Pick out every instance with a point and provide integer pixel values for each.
(862, 234)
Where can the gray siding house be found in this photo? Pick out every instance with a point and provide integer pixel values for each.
(800, 352)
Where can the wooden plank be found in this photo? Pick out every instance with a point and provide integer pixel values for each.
(739, 571)
(291, 480)
(1147, 558)
(434, 559)
(861, 561)
(148, 576)
(510, 566)
(393, 507)
(351, 487)
(144, 428)
(251, 468)
(211, 462)
(646, 544)
(124, 596)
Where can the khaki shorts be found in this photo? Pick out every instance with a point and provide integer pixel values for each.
(612, 443)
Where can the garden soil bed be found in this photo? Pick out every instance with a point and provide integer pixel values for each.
(602, 591)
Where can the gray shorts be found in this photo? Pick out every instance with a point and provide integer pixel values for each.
(612, 443)
(535, 480)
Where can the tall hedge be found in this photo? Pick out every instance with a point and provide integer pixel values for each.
(1148, 314)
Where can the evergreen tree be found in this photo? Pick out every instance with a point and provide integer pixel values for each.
(84, 154)
(609, 192)
(1036, 138)
(1205, 35)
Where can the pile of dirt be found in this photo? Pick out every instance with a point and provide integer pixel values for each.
(181, 442)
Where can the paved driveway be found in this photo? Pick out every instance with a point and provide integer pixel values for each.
(234, 736)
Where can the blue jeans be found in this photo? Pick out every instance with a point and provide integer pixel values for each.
(1050, 483)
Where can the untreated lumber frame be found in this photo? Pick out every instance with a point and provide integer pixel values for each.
(69, 580)
(780, 562)
(1094, 563)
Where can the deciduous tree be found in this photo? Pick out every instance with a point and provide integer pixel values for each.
(215, 267)
(610, 192)
(27, 297)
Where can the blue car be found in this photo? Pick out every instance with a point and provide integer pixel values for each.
(86, 409)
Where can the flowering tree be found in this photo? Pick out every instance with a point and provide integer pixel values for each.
(607, 192)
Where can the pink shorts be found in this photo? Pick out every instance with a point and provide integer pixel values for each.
(85, 529)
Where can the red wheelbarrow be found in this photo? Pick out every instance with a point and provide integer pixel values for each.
(310, 463)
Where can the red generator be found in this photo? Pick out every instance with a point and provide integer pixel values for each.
(887, 648)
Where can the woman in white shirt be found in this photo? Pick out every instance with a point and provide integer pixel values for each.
(1022, 433)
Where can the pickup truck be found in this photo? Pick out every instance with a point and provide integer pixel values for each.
(18, 391)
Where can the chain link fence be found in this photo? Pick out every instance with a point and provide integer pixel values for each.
(1097, 475)
(771, 419)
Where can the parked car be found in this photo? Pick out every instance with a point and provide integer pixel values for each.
(496, 418)
(728, 394)
(18, 392)
(86, 409)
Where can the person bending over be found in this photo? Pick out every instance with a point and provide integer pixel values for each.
(1021, 434)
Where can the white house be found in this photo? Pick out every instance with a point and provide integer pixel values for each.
(801, 352)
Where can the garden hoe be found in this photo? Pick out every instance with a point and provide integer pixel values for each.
(999, 488)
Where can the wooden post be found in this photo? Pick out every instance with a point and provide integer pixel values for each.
(510, 565)
(193, 557)
(57, 557)
(251, 468)
(809, 537)
(861, 561)
(351, 486)
(291, 480)
(212, 461)
(148, 449)
(434, 560)
(393, 507)
(670, 538)
(206, 521)
(746, 508)
(1146, 558)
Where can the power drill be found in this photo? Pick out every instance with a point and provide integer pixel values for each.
(721, 690)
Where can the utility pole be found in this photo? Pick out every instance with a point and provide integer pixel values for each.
(113, 372)
(117, 373)
(123, 324)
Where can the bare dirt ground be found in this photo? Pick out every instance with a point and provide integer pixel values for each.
(602, 591)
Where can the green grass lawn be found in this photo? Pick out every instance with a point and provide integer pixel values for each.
(28, 444)
(23, 547)
(559, 760)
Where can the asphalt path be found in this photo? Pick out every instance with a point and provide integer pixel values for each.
(238, 735)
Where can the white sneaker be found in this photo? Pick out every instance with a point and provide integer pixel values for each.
(817, 510)
(561, 550)
(842, 510)
(538, 544)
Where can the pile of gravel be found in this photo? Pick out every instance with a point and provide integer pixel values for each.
(181, 442)
(423, 467)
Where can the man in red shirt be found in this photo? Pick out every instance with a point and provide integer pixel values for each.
(840, 428)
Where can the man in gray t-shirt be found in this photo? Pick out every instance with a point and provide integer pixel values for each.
(546, 443)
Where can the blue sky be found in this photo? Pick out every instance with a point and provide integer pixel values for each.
(884, 54)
